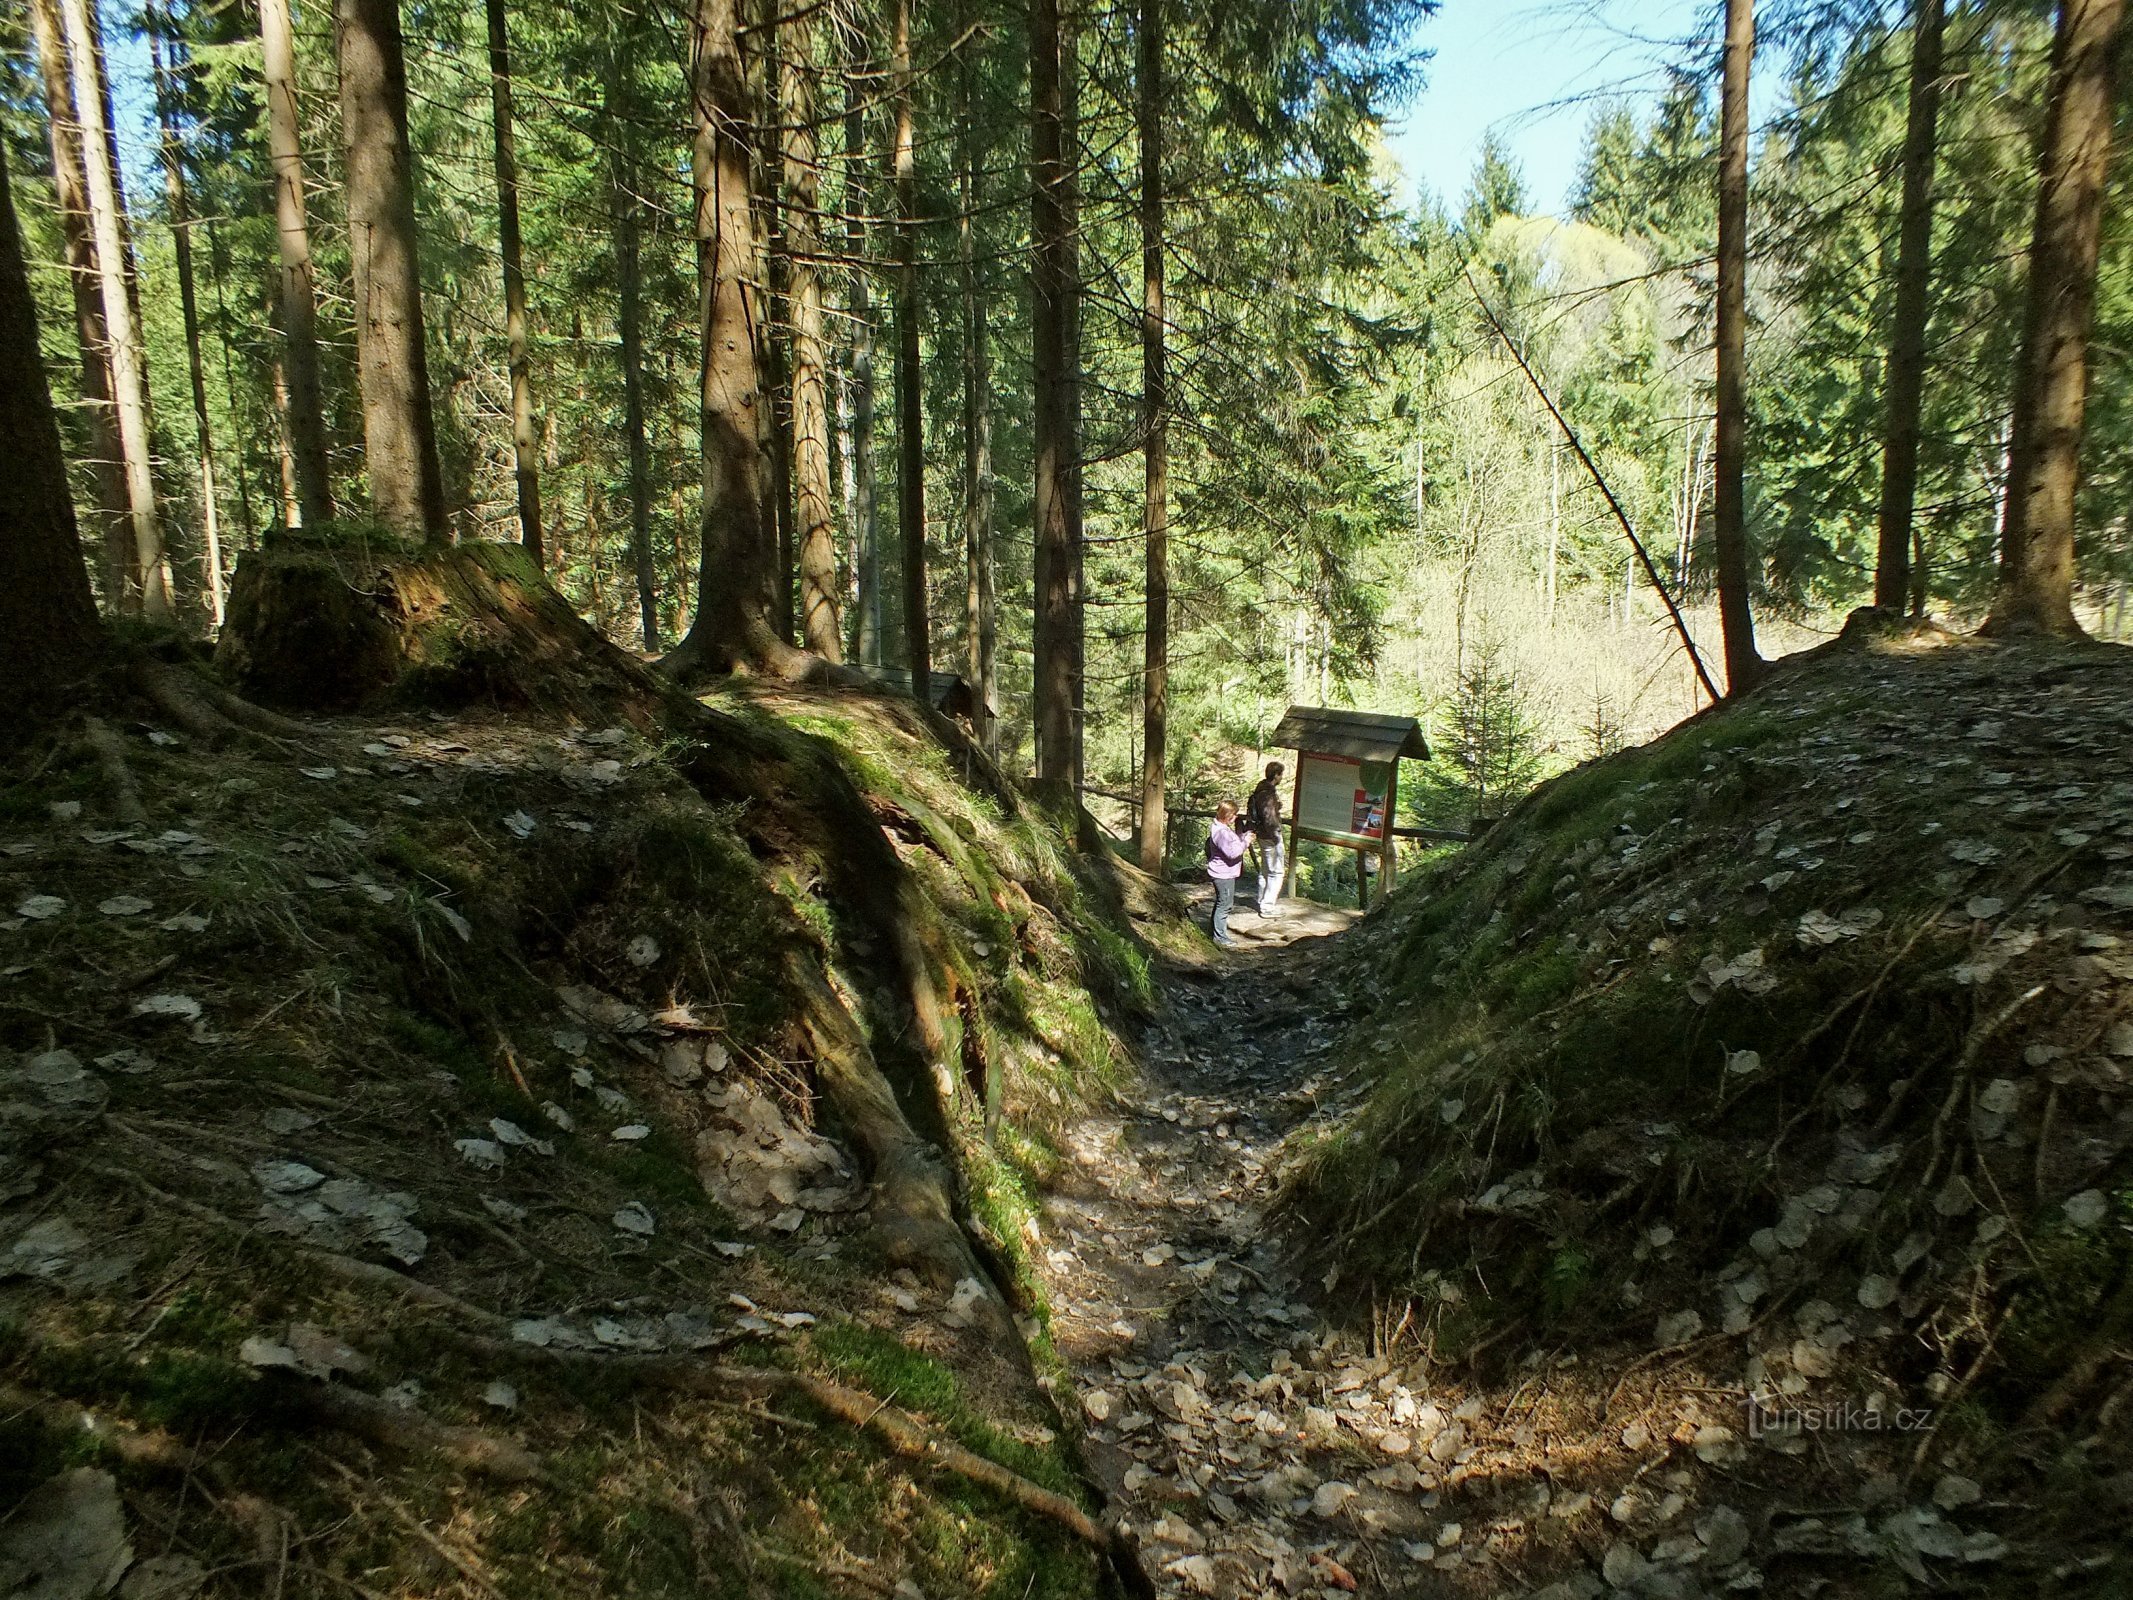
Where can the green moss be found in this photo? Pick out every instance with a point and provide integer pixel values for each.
(885, 1366)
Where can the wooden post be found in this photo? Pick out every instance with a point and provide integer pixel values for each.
(1389, 851)
(1296, 795)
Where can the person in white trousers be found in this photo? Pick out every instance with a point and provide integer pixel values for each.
(1262, 814)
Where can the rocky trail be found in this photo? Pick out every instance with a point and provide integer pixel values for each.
(1253, 1451)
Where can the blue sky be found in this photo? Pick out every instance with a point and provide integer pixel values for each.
(1531, 70)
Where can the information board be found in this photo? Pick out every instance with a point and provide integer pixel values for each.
(1340, 801)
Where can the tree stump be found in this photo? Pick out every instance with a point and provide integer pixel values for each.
(336, 625)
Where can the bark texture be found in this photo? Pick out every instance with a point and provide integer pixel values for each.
(1052, 442)
(1905, 386)
(910, 381)
(1155, 446)
(2036, 592)
(821, 630)
(298, 387)
(629, 327)
(980, 610)
(863, 512)
(399, 428)
(114, 265)
(1744, 664)
(48, 627)
(525, 432)
(181, 232)
(736, 588)
(70, 182)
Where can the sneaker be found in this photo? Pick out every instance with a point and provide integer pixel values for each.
(1227, 944)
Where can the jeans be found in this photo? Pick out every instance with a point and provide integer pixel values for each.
(1271, 866)
(1225, 895)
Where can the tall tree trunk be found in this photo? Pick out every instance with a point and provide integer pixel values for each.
(525, 434)
(70, 181)
(399, 428)
(292, 515)
(1051, 433)
(629, 319)
(1905, 385)
(1744, 665)
(775, 340)
(867, 506)
(1155, 445)
(820, 628)
(2036, 592)
(736, 592)
(1077, 478)
(114, 258)
(303, 408)
(910, 381)
(981, 616)
(217, 270)
(181, 231)
(48, 629)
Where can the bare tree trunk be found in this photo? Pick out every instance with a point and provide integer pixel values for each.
(129, 362)
(525, 433)
(1744, 665)
(629, 319)
(1155, 445)
(1078, 579)
(1905, 383)
(977, 441)
(48, 628)
(820, 628)
(1052, 438)
(777, 435)
(736, 590)
(217, 266)
(2036, 592)
(399, 428)
(181, 230)
(864, 509)
(910, 381)
(292, 515)
(303, 406)
(70, 180)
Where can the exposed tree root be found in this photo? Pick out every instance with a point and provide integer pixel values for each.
(907, 1436)
(110, 752)
(403, 1428)
(182, 697)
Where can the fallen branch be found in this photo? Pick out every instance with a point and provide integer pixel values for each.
(907, 1436)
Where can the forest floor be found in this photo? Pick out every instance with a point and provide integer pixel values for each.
(413, 1179)
(1716, 1180)
(1258, 1437)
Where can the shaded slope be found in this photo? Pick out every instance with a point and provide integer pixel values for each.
(402, 1131)
(1786, 1057)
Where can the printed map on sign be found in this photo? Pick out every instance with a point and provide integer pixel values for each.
(1341, 801)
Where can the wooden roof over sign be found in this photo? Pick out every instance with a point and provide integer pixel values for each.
(1359, 735)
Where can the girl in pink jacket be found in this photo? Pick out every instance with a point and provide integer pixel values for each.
(1225, 860)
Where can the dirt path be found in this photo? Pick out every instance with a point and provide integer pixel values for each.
(1255, 1452)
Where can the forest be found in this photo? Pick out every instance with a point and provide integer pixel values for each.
(623, 622)
(1278, 415)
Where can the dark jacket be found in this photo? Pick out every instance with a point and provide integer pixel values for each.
(1263, 811)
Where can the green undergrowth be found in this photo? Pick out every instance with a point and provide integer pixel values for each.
(1799, 998)
(428, 929)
